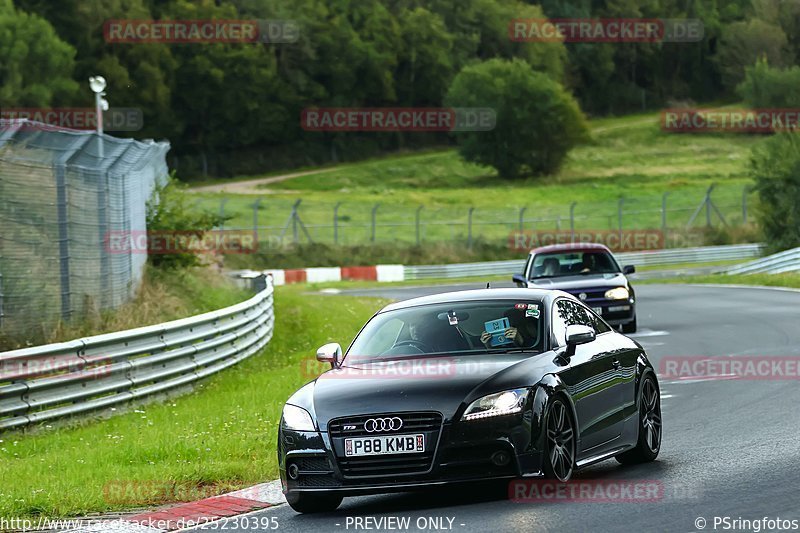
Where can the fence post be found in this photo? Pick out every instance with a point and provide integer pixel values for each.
(374, 211)
(1, 299)
(522, 218)
(664, 213)
(63, 239)
(619, 217)
(256, 205)
(416, 223)
(469, 227)
(294, 221)
(336, 223)
(222, 203)
(572, 221)
(744, 204)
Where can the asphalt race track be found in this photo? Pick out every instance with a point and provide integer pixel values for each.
(731, 448)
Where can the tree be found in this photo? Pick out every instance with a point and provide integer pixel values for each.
(768, 87)
(538, 122)
(36, 69)
(775, 166)
(743, 43)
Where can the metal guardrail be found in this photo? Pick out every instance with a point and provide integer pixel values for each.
(64, 379)
(787, 261)
(704, 254)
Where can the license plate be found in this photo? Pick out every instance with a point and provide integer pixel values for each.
(598, 310)
(384, 445)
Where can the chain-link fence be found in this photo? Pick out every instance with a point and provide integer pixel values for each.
(61, 193)
(681, 216)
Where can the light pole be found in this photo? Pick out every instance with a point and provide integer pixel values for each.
(98, 85)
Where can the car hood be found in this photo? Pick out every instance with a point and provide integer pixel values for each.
(440, 384)
(579, 281)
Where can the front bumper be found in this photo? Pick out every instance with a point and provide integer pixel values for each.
(458, 452)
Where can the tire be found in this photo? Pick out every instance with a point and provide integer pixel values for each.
(648, 443)
(559, 456)
(313, 502)
(630, 327)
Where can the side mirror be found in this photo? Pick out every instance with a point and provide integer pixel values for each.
(628, 269)
(578, 334)
(330, 353)
(520, 280)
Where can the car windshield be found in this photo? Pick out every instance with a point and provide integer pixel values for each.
(573, 263)
(451, 328)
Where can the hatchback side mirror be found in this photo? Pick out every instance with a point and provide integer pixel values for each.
(578, 334)
(330, 353)
(628, 269)
(520, 280)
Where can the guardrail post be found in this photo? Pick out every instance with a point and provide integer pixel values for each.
(572, 221)
(417, 222)
(619, 217)
(374, 211)
(469, 227)
(336, 223)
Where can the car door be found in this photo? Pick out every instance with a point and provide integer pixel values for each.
(590, 376)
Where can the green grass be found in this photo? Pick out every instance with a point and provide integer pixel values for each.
(630, 157)
(162, 296)
(791, 280)
(220, 437)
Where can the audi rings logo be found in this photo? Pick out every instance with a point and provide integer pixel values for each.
(383, 424)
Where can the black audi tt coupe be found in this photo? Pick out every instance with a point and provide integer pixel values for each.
(472, 385)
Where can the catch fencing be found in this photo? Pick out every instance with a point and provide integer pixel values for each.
(683, 218)
(71, 378)
(61, 193)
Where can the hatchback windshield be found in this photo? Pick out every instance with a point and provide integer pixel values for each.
(573, 263)
(456, 327)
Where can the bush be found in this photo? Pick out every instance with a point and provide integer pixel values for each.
(538, 122)
(764, 86)
(167, 212)
(775, 166)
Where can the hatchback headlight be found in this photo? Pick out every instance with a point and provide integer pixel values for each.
(297, 418)
(618, 293)
(497, 404)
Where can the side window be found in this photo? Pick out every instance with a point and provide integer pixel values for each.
(599, 325)
(569, 313)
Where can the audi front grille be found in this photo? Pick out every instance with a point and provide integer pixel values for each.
(390, 466)
(412, 423)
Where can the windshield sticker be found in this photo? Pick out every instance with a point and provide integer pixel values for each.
(497, 329)
(532, 313)
(452, 318)
(520, 306)
(533, 306)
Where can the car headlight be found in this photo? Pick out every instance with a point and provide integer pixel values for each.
(497, 404)
(618, 293)
(297, 418)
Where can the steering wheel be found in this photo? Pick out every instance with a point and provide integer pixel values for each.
(414, 344)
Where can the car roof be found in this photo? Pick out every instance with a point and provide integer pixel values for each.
(572, 247)
(478, 294)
